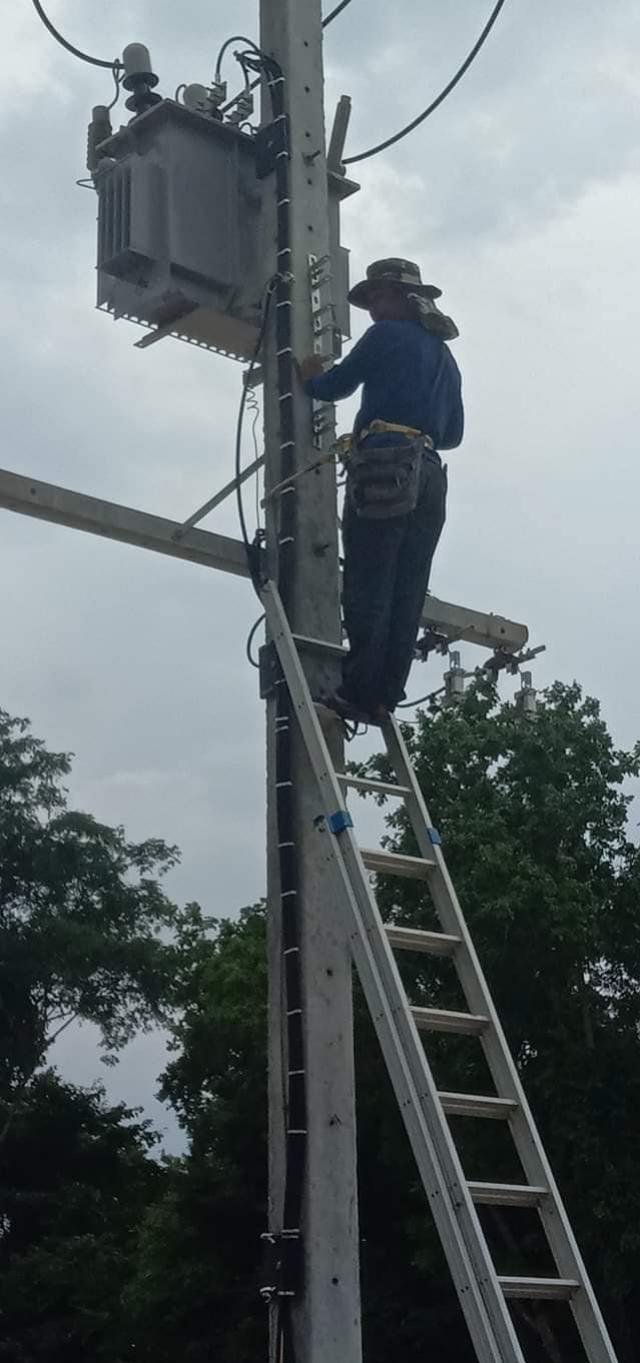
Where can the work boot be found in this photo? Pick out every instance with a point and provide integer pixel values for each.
(346, 708)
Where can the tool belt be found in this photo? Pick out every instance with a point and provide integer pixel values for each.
(384, 481)
(379, 427)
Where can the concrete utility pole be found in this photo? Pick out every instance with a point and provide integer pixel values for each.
(326, 1317)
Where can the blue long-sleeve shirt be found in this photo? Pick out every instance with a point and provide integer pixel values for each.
(409, 377)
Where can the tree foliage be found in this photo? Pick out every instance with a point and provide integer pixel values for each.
(195, 1290)
(86, 933)
(76, 1181)
(83, 920)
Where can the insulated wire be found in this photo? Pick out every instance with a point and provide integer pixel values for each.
(249, 547)
(251, 636)
(75, 51)
(409, 704)
(257, 456)
(118, 77)
(253, 406)
(397, 137)
(325, 23)
(237, 38)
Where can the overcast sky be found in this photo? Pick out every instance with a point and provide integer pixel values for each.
(520, 198)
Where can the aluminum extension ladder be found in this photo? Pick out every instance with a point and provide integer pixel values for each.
(482, 1292)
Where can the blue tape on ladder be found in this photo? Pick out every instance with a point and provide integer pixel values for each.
(434, 837)
(339, 821)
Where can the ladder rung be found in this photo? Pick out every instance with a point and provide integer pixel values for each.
(442, 1020)
(320, 645)
(551, 1289)
(477, 1105)
(508, 1194)
(373, 787)
(391, 863)
(414, 939)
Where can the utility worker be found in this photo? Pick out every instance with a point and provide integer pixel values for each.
(395, 502)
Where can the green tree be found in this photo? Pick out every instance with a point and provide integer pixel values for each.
(194, 1294)
(76, 1180)
(84, 925)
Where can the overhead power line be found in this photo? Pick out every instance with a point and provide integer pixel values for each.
(390, 141)
(75, 51)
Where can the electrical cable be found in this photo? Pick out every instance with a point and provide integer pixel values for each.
(409, 704)
(253, 405)
(252, 634)
(397, 137)
(255, 83)
(237, 38)
(75, 51)
(118, 76)
(251, 549)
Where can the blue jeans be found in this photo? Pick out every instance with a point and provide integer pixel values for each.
(386, 575)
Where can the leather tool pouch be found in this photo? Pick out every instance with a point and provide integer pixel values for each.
(385, 481)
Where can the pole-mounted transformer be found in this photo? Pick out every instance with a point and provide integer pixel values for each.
(180, 221)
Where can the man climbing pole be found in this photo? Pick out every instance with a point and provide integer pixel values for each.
(395, 501)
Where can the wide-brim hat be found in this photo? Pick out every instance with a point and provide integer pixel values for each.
(403, 274)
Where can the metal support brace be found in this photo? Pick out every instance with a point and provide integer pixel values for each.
(218, 497)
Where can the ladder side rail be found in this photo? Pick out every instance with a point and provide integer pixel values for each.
(479, 1291)
(552, 1212)
(412, 1108)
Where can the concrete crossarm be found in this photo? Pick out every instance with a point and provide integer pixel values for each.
(47, 502)
(73, 509)
(473, 627)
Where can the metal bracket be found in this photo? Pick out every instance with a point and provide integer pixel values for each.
(512, 662)
(269, 670)
(219, 497)
(323, 424)
(269, 142)
(282, 1266)
(319, 268)
(320, 282)
(339, 136)
(432, 642)
(327, 341)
